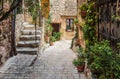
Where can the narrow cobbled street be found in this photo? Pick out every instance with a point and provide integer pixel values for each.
(54, 63)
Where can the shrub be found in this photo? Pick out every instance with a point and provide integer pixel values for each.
(52, 38)
(78, 62)
(57, 35)
(103, 60)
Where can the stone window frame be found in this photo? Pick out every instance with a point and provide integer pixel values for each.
(69, 24)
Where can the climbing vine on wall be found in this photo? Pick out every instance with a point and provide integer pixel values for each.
(89, 28)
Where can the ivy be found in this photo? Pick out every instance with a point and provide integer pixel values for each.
(89, 28)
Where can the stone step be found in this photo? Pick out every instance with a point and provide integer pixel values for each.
(28, 43)
(31, 51)
(29, 37)
(25, 23)
(31, 27)
(30, 32)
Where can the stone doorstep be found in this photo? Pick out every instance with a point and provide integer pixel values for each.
(28, 59)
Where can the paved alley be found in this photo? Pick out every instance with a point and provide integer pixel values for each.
(54, 63)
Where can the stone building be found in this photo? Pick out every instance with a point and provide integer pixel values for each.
(5, 37)
(63, 13)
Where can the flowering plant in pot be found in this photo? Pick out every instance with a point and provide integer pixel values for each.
(83, 9)
(80, 64)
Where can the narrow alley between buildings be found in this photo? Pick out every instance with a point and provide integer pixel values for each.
(54, 63)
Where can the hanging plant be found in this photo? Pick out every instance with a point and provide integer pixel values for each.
(83, 9)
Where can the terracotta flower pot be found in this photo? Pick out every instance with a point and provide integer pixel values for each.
(80, 68)
(77, 41)
(47, 38)
(51, 43)
(83, 14)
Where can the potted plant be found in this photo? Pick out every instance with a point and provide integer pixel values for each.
(57, 35)
(52, 39)
(80, 64)
(83, 9)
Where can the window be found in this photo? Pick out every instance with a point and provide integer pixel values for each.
(69, 25)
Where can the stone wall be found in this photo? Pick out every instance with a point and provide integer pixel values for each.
(5, 36)
(5, 40)
(80, 40)
(19, 26)
(62, 8)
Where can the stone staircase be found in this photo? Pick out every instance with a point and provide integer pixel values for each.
(28, 41)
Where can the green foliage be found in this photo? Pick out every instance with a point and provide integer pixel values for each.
(81, 53)
(118, 44)
(52, 38)
(57, 35)
(49, 27)
(78, 62)
(84, 7)
(89, 29)
(100, 56)
(33, 8)
(103, 60)
(76, 20)
(48, 20)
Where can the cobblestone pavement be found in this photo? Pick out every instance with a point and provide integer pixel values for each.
(54, 63)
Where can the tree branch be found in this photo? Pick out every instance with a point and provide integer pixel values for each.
(5, 15)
